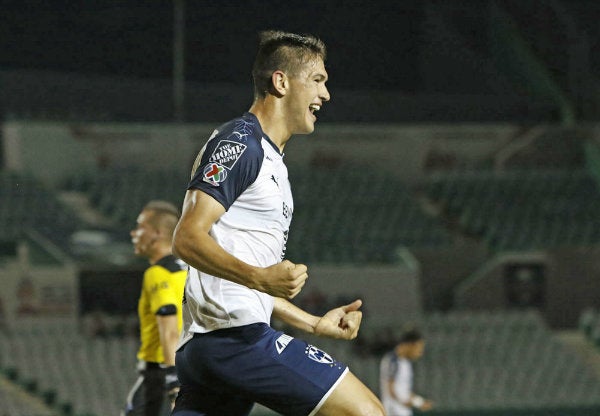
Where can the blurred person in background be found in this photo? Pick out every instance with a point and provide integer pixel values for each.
(159, 310)
(396, 376)
(233, 231)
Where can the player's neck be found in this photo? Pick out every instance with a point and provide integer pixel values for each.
(401, 352)
(272, 121)
(158, 254)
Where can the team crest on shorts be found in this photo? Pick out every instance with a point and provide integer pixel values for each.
(214, 174)
(318, 355)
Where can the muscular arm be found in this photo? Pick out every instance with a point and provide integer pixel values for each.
(169, 336)
(193, 244)
(294, 316)
(342, 322)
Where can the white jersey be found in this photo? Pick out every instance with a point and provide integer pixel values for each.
(400, 372)
(244, 171)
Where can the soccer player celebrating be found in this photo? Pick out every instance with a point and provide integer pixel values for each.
(232, 232)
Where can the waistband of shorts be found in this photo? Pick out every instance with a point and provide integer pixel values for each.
(147, 365)
(249, 330)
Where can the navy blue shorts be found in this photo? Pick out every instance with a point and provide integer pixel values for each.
(225, 372)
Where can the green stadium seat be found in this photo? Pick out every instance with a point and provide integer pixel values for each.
(521, 210)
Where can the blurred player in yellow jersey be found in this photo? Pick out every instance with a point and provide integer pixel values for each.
(159, 311)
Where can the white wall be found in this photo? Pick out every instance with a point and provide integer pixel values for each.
(45, 290)
(389, 293)
(55, 151)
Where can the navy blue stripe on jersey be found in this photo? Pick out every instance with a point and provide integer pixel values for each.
(394, 366)
(231, 160)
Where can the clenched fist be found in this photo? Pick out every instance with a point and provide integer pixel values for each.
(342, 322)
(284, 280)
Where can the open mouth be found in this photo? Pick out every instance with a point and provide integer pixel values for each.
(313, 108)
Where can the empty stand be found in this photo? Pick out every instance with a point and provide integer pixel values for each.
(489, 360)
(486, 360)
(521, 210)
(356, 214)
(88, 376)
(121, 193)
(27, 204)
(342, 214)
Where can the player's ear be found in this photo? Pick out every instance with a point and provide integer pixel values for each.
(280, 82)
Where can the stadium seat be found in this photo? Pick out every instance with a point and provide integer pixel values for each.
(521, 210)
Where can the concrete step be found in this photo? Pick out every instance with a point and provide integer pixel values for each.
(16, 400)
(577, 342)
(80, 202)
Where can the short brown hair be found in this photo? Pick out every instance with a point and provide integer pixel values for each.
(165, 215)
(284, 51)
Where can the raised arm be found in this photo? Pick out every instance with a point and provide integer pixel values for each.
(342, 322)
(193, 244)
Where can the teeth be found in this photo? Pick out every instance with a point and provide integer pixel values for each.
(314, 107)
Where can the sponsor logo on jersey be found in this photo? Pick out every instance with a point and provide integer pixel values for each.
(227, 153)
(318, 355)
(214, 173)
(282, 342)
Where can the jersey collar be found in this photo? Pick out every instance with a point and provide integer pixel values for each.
(165, 260)
(262, 133)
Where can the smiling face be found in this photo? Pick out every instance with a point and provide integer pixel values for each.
(307, 93)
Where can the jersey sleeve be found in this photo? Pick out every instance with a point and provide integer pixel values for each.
(161, 292)
(228, 166)
(390, 368)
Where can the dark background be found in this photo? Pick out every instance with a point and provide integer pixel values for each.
(372, 44)
(427, 60)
